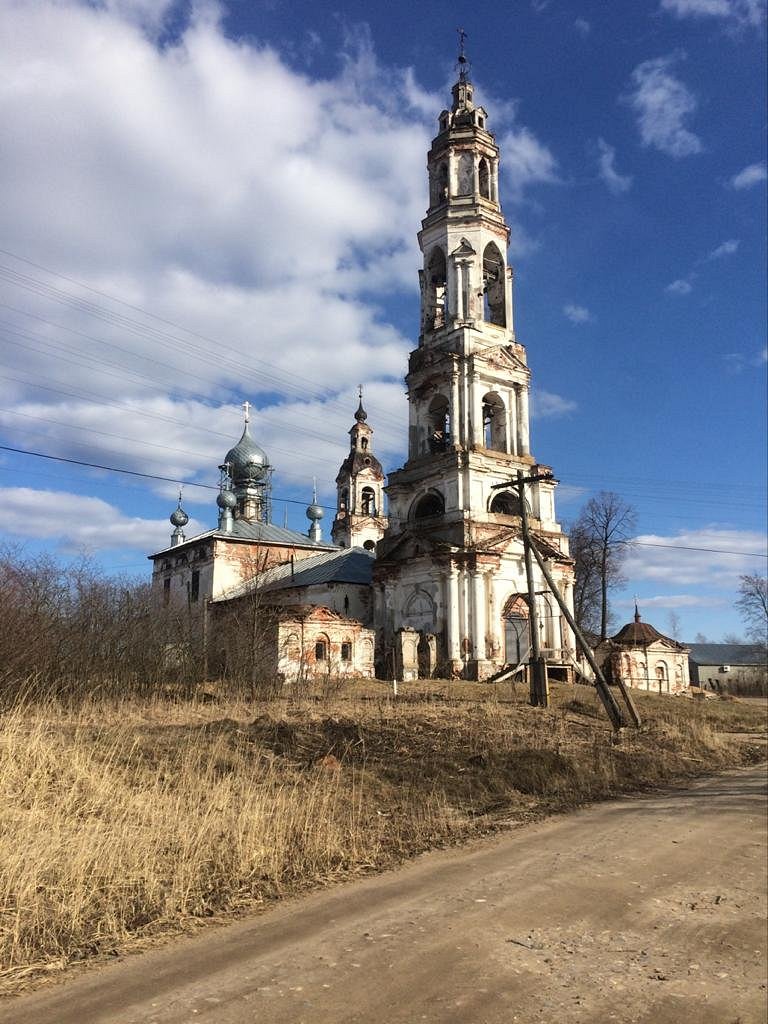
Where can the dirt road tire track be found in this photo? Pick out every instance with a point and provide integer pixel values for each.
(645, 909)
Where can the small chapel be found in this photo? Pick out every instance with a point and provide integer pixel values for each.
(432, 583)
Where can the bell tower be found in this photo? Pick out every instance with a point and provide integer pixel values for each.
(360, 519)
(451, 558)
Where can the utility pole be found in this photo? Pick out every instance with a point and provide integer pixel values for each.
(529, 546)
(538, 669)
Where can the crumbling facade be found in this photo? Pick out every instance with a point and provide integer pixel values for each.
(449, 567)
(643, 658)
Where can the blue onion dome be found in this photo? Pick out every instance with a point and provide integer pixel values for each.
(179, 517)
(247, 461)
(315, 512)
(226, 499)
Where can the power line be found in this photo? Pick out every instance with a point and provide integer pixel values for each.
(296, 501)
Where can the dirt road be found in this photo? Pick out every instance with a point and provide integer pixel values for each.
(645, 909)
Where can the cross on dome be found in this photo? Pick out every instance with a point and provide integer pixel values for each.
(247, 409)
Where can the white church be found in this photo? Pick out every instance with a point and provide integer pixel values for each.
(436, 584)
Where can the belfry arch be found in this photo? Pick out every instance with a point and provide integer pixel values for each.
(435, 291)
(494, 286)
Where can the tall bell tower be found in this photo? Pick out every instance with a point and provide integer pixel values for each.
(451, 559)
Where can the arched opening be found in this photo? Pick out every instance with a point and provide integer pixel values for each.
(442, 183)
(434, 298)
(439, 424)
(368, 501)
(494, 299)
(364, 444)
(505, 503)
(369, 545)
(343, 499)
(494, 423)
(428, 506)
(662, 677)
(420, 612)
(517, 634)
(484, 177)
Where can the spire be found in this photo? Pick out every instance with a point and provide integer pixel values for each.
(179, 520)
(462, 63)
(361, 415)
(637, 613)
(315, 513)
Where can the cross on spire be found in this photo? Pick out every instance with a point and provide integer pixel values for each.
(247, 410)
(462, 62)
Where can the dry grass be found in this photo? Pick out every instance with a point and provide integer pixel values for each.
(120, 821)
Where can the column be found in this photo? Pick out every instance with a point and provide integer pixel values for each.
(522, 421)
(452, 615)
(514, 434)
(509, 421)
(476, 392)
(495, 180)
(455, 412)
(478, 614)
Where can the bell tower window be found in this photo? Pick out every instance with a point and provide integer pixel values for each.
(439, 424)
(368, 501)
(494, 311)
(434, 299)
(494, 423)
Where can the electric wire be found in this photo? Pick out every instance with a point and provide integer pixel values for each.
(295, 501)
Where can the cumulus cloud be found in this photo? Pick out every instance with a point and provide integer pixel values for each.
(712, 556)
(617, 183)
(663, 103)
(738, 12)
(577, 314)
(751, 175)
(526, 161)
(78, 523)
(724, 249)
(547, 405)
(682, 286)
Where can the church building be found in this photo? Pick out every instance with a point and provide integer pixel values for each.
(438, 582)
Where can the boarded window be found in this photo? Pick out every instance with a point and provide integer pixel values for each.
(194, 590)
(346, 651)
(321, 651)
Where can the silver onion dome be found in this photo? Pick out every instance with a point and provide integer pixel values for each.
(226, 499)
(315, 512)
(179, 517)
(247, 461)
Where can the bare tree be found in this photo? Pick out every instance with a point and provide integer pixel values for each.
(603, 531)
(753, 605)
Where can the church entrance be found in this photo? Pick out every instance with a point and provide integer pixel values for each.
(517, 634)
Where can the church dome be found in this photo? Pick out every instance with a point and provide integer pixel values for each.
(247, 461)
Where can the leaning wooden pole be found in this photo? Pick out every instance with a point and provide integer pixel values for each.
(603, 689)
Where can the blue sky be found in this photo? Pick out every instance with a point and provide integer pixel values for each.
(205, 203)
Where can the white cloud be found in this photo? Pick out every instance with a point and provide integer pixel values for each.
(662, 104)
(546, 405)
(582, 26)
(674, 601)
(526, 161)
(576, 314)
(739, 12)
(679, 287)
(696, 557)
(751, 175)
(725, 249)
(617, 183)
(79, 523)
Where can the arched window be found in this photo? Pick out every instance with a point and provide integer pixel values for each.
(420, 611)
(343, 498)
(662, 676)
(364, 444)
(494, 304)
(434, 292)
(505, 503)
(369, 545)
(368, 501)
(484, 176)
(429, 505)
(439, 424)
(494, 423)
